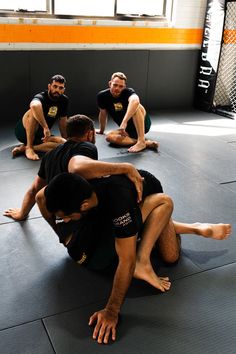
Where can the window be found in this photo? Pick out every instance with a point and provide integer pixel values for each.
(140, 7)
(20, 5)
(118, 9)
(85, 8)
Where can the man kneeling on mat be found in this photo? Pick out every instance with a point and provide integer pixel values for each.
(102, 221)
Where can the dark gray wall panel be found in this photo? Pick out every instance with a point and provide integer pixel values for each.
(15, 84)
(171, 79)
(88, 72)
(163, 79)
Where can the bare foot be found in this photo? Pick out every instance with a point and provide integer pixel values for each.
(137, 147)
(147, 273)
(215, 231)
(30, 154)
(18, 150)
(151, 144)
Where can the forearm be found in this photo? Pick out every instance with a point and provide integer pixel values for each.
(38, 115)
(102, 121)
(28, 203)
(90, 169)
(41, 202)
(121, 283)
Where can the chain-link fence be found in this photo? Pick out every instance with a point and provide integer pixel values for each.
(225, 90)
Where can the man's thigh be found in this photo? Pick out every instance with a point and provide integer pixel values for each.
(20, 134)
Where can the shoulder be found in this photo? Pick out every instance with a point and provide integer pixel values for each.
(103, 93)
(84, 148)
(85, 144)
(64, 98)
(128, 91)
(42, 96)
(42, 168)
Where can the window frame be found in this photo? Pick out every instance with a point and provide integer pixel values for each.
(50, 13)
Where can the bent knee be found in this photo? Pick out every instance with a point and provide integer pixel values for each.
(167, 200)
(109, 138)
(114, 139)
(171, 258)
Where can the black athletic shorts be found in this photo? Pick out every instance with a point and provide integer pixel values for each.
(20, 134)
(131, 130)
(151, 185)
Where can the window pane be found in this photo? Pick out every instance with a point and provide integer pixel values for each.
(35, 5)
(85, 8)
(140, 7)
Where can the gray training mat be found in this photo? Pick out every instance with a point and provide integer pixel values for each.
(28, 338)
(46, 299)
(197, 316)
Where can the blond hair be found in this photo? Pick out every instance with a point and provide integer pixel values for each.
(120, 75)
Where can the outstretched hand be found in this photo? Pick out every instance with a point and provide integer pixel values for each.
(106, 322)
(15, 213)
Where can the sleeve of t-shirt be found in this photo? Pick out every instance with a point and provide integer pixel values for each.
(101, 102)
(125, 212)
(38, 97)
(129, 92)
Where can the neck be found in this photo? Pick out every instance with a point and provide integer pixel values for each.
(75, 138)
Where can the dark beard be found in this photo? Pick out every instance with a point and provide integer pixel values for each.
(54, 98)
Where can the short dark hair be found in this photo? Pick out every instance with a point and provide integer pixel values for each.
(66, 192)
(78, 125)
(57, 78)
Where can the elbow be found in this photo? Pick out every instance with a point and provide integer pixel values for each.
(82, 172)
(39, 197)
(32, 193)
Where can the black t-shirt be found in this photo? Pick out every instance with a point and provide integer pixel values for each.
(117, 202)
(52, 109)
(56, 161)
(115, 106)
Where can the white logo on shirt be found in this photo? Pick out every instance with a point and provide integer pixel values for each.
(122, 220)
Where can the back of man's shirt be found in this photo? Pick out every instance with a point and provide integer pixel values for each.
(56, 161)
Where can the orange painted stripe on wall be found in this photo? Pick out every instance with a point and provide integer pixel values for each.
(21, 33)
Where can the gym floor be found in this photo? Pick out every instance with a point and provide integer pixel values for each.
(46, 299)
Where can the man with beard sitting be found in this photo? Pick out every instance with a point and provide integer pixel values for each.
(33, 130)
